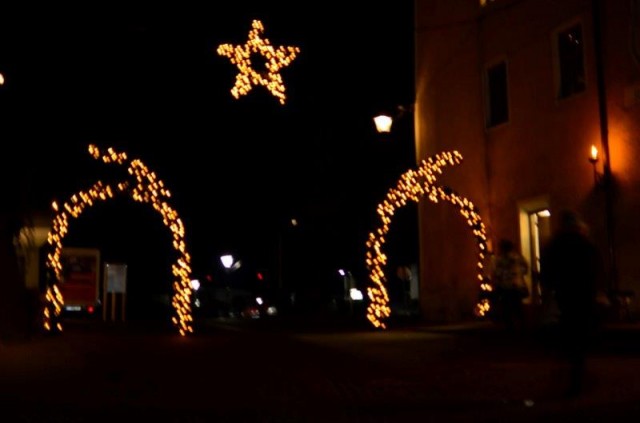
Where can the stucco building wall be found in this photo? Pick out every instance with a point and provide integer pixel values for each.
(539, 157)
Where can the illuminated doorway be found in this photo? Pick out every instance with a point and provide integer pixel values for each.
(535, 230)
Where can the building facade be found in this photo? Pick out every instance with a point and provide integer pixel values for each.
(523, 89)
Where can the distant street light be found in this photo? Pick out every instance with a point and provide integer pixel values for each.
(227, 261)
(355, 294)
(349, 290)
(195, 284)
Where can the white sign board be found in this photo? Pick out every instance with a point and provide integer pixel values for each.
(116, 278)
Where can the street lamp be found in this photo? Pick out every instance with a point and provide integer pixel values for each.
(227, 261)
(230, 264)
(396, 164)
(383, 122)
(350, 292)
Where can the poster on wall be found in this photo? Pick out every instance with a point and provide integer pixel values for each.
(80, 280)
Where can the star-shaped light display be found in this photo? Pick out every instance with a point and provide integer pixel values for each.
(275, 59)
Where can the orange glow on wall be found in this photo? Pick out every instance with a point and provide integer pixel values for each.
(623, 149)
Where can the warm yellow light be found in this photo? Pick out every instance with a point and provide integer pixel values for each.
(413, 185)
(383, 123)
(145, 183)
(1, 79)
(544, 213)
(593, 157)
(275, 59)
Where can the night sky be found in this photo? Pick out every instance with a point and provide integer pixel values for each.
(146, 79)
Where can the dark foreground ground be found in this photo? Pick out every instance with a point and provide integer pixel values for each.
(291, 372)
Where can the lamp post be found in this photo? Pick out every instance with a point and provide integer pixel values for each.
(292, 223)
(230, 264)
(347, 283)
(404, 159)
(404, 155)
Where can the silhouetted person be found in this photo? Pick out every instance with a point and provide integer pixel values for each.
(507, 274)
(570, 268)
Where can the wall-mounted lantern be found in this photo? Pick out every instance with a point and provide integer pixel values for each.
(593, 159)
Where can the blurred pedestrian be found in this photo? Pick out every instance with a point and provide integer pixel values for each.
(570, 270)
(509, 268)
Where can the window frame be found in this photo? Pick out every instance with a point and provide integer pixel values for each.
(559, 94)
(489, 123)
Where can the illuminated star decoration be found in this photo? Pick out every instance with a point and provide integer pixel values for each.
(412, 186)
(275, 59)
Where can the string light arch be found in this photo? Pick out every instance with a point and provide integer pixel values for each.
(413, 185)
(146, 188)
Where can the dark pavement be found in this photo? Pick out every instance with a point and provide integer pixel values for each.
(262, 371)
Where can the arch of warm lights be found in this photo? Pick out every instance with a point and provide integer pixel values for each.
(412, 186)
(147, 188)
